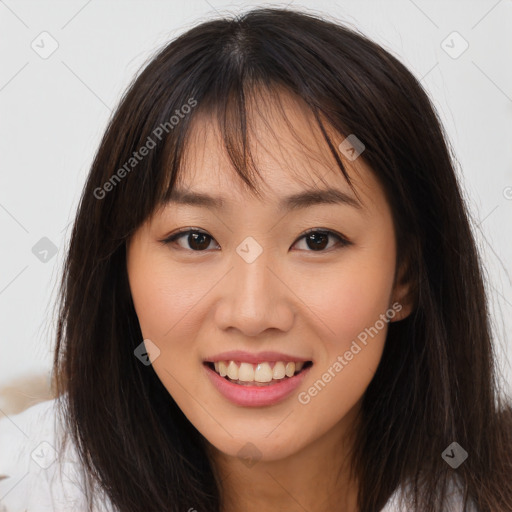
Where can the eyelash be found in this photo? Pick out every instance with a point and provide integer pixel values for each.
(342, 241)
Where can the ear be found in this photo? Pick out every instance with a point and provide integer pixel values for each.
(404, 295)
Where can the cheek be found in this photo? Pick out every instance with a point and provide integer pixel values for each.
(352, 306)
(166, 303)
(350, 298)
(163, 298)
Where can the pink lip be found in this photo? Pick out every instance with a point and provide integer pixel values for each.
(260, 357)
(255, 396)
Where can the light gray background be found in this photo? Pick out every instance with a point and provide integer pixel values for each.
(53, 112)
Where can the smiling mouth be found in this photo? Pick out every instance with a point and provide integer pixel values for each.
(261, 374)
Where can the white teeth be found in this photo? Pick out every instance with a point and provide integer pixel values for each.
(290, 369)
(233, 370)
(262, 372)
(246, 372)
(279, 371)
(223, 369)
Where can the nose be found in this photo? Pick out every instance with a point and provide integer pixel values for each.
(255, 297)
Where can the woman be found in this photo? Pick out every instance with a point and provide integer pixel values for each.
(272, 297)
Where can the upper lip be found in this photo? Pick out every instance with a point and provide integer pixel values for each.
(247, 357)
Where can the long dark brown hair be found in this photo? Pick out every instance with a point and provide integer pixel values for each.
(436, 382)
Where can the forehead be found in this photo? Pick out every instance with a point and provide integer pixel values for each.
(286, 146)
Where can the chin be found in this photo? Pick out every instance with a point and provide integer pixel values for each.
(257, 448)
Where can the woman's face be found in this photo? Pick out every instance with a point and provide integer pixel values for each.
(251, 282)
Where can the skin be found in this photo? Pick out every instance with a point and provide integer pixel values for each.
(291, 299)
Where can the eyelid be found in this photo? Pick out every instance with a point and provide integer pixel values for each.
(343, 241)
(173, 236)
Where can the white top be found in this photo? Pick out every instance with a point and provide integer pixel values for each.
(35, 482)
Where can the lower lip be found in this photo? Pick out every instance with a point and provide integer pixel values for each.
(256, 396)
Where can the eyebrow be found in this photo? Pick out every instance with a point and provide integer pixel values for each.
(296, 201)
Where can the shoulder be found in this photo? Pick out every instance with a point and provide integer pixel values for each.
(36, 472)
(398, 502)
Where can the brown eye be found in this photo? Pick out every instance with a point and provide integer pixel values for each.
(197, 241)
(317, 240)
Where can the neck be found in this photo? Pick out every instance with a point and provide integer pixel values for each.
(316, 478)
